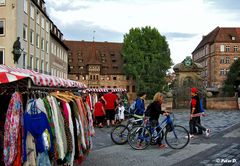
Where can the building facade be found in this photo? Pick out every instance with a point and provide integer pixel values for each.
(216, 52)
(28, 20)
(98, 65)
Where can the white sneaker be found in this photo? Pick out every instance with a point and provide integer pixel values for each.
(207, 132)
(191, 136)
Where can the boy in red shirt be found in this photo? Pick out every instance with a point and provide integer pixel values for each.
(99, 113)
(195, 109)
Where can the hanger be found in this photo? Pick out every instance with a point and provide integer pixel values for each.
(55, 94)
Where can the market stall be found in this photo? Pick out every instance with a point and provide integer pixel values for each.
(43, 119)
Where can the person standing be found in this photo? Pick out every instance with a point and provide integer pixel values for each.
(194, 111)
(110, 103)
(99, 113)
(140, 104)
(121, 110)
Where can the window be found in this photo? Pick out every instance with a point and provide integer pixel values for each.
(47, 66)
(31, 36)
(42, 22)
(128, 88)
(42, 66)
(114, 78)
(2, 2)
(2, 29)
(226, 71)
(222, 60)
(227, 48)
(1, 57)
(133, 89)
(32, 11)
(31, 62)
(24, 32)
(37, 40)
(37, 64)
(235, 48)
(222, 72)
(47, 26)
(25, 6)
(222, 48)
(37, 17)
(42, 44)
(46, 46)
(227, 60)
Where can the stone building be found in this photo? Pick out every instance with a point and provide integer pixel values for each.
(40, 39)
(98, 65)
(216, 52)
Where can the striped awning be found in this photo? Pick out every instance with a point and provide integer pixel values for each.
(11, 74)
(105, 90)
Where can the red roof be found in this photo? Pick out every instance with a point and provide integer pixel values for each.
(220, 35)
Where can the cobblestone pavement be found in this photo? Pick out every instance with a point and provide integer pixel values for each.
(222, 148)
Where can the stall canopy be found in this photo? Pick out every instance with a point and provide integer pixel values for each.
(11, 74)
(105, 90)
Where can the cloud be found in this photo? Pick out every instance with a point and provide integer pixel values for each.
(65, 5)
(228, 5)
(85, 31)
(183, 22)
(179, 35)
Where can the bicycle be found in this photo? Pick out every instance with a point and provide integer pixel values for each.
(176, 136)
(120, 132)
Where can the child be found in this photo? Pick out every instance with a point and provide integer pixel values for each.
(121, 110)
(99, 113)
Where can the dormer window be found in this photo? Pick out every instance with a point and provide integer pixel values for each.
(233, 38)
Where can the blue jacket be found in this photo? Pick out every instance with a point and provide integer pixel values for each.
(36, 124)
(140, 106)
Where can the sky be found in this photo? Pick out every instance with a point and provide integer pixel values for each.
(182, 22)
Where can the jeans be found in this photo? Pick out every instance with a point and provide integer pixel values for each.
(195, 121)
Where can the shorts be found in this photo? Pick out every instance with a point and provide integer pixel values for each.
(110, 114)
(100, 119)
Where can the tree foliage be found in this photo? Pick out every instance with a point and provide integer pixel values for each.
(233, 79)
(146, 57)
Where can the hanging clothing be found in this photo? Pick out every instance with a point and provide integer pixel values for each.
(12, 128)
(30, 144)
(59, 128)
(43, 159)
(37, 124)
(67, 107)
(31, 151)
(67, 131)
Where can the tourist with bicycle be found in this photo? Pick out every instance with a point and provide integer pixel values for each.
(195, 114)
(153, 111)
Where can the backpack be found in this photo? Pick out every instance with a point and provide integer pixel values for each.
(132, 107)
(201, 106)
(148, 110)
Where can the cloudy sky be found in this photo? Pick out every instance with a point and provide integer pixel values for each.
(183, 22)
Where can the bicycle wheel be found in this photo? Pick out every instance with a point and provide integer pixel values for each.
(177, 138)
(154, 139)
(139, 137)
(119, 134)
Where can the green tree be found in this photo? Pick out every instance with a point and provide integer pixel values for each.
(233, 79)
(146, 57)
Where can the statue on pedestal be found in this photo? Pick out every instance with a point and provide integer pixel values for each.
(17, 51)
